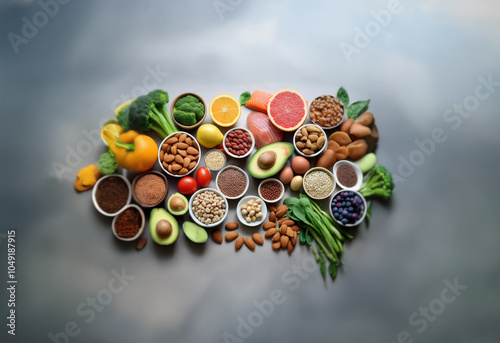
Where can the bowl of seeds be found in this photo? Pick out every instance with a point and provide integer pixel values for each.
(208, 207)
(111, 194)
(232, 181)
(150, 188)
(319, 183)
(271, 190)
(214, 160)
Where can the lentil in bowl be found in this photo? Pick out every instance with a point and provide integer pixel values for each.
(232, 181)
(271, 190)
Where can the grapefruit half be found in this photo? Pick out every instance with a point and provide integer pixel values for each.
(287, 109)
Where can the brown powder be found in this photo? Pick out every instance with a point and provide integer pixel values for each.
(149, 189)
(112, 194)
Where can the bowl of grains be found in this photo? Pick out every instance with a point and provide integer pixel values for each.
(310, 140)
(128, 225)
(214, 160)
(271, 190)
(179, 154)
(348, 175)
(111, 194)
(232, 181)
(251, 211)
(238, 142)
(319, 183)
(150, 188)
(208, 207)
(327, 111)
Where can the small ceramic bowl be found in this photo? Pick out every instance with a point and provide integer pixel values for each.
(163, 177)
(94, 191)
(187, 127)
(217, 151)
(240, 170)
(166, 139)
(308, 191)
(358, 172)
(249, 150)
(141, 228)
(282, 187)
(195, 219)
(361, 217)
(318, 152)
(344, 116)
(240, 216)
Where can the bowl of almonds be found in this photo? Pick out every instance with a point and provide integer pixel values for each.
(179, 154)
(309, 140)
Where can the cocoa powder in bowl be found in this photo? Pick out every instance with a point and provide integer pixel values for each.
(112, 194)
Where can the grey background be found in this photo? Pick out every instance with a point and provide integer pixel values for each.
(440, 225)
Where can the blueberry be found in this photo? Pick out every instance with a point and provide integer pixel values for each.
(350, 209)
(345, 194)
(348, 203)
(354, 216)
(349, 215)
(345, 213)
(340, 216)
(338, 198)
(341, 209)
(344, 221)
(343, 203)
(338, 204)
(336, 215)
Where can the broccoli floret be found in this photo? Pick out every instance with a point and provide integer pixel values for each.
(107, 163)
(378, 182)
(185, 118)
(147, 112)
(191, 104)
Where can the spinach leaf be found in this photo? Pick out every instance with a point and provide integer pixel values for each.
(309, 239)
(322, 268)
(368, 216)
(343, 96)
(291, 202)
(354, 111)
(302, 236)
(332, 269)
(299, 212)
(244, 97)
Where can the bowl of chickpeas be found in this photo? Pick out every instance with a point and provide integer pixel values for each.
(251, 211)
(327, 111)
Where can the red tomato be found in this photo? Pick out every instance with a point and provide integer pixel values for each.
(203, 177)
(187, 185)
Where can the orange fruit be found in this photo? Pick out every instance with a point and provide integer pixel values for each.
(225, 110)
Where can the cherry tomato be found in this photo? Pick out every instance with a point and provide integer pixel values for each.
(187, 185)
(203, 176)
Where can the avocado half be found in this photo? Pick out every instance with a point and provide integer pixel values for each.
(173, 210)
(283, 152)
(194, 232)
(158, 214)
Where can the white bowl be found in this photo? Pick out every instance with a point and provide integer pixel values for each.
(244, 201)
(360, 219)
(281, 186)
(310, 171)
(209, 151)
(318, 151)
(344, 116)
(249, 150)
(94, 200)
(197, 162)
(141, 228)
(239, 169)
(196, 220)
(359, 174)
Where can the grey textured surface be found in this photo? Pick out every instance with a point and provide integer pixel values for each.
(440, 225)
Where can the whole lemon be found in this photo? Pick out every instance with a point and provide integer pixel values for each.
(209, 135)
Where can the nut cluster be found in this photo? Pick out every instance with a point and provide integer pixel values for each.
(326, 111)
(209, 207)
(282, 230)
(238, 142)
(310, 139)
(232, 235)
(179, 154)
(252, 210)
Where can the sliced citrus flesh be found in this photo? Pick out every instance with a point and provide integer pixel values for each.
(287, 109)
(110, 131)
(225, 110)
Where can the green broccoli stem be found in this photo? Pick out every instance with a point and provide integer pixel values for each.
(159, 131)
(127, 146)
(169, 119)
(162, 121)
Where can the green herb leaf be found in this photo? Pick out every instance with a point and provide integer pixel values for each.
(343, 96)
(332, 269)
(322, 268)
(291, 202)
(368, 216)
(354, 111)
(302, 236)
(244, 97)
(309, 239)
(299, 212)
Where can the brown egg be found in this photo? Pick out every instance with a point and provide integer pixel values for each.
(286, 175)
(300, 164)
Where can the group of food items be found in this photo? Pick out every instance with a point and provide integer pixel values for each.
(349, 149)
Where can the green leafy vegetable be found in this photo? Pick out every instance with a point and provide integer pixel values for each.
(355, 110)
(343, 96)
(244, 97)
(368, 217)
(378, 182)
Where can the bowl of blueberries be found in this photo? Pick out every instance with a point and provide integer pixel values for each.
(348, 208)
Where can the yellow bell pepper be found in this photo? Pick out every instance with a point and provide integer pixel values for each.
(134, 151)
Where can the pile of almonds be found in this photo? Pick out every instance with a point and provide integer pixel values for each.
(179, 154)
(232, 235)
(282, 230)
(310, 139)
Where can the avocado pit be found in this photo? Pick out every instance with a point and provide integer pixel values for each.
(163, 228)
(267, 160)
